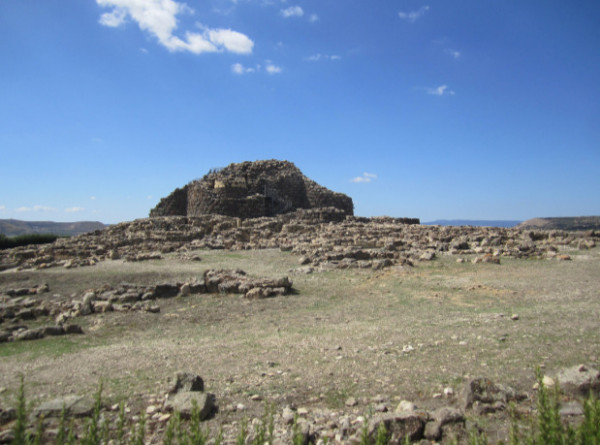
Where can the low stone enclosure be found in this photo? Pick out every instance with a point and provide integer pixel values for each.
(23, 305)
(251, 190)
(322, 238)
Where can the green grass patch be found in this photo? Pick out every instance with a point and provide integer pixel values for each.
(49, 347)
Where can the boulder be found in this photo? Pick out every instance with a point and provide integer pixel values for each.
(484, 391)
(74, 406)
(186, 382)
(579, 380)
(29, 334)
(399, 426)
(183, 403)
(166, 290)
(73, 329)
(53, 330)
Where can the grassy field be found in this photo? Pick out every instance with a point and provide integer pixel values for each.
(400, 333)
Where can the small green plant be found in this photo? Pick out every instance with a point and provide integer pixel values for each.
(172, 427)
(241, 438)
(477, 438)
(92, 434)
(197, 436)
(61, 435)
(20, 436)
(298, 437)
(548, 428)
(263, 432)
(39, 432)
(364, 429)
(121, 424)
(383, 437)
(138, 432)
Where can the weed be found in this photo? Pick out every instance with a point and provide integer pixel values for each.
(20, 428)
(383, 437)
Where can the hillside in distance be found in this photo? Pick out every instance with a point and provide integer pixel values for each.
(15, 227)
(473, 222)
(563, 223)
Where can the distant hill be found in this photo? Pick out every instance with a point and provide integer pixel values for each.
(564, 223)
(14, 227)
(473, 222)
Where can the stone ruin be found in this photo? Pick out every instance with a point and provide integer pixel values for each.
(251, 190)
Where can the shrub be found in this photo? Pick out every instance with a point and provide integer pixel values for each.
(26, 240)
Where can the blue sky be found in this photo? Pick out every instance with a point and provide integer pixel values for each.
(479, 109)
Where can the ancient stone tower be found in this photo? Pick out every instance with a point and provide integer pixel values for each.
(251, 190)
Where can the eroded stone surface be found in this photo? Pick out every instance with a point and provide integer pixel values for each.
(251, 190)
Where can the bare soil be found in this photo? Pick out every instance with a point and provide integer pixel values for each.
(399, 333)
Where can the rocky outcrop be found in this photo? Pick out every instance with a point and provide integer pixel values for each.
(251, 190)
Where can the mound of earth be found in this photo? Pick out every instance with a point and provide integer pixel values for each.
(251, 190)
(563, 223)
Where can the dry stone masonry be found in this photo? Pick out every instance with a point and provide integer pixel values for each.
(23, 305)
(251, 190)
(322, 238)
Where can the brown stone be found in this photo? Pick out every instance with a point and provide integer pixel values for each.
(251, 190)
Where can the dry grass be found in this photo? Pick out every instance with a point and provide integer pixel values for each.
(344, 333)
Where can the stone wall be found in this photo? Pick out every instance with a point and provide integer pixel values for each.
(173, 205)
(251, 190)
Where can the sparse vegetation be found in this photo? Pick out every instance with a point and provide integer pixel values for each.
(397, 333)
(546, 428)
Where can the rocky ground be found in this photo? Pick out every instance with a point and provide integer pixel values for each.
(326, 238)
(431, 330)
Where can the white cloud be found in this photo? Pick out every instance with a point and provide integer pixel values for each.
(2, 208)
(114, 18)
(272, 69)
(238, 68)
(313, 18)
(442, 90)
(233, 41)
(74, 209)
(365, 178)
(413, 16)
(318, 56)
(453, 53)
(36, 208)
(269, 68)
(92, 198)
(159, 18)
(292, 11)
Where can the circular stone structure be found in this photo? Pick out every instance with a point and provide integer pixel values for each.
(251, 190)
